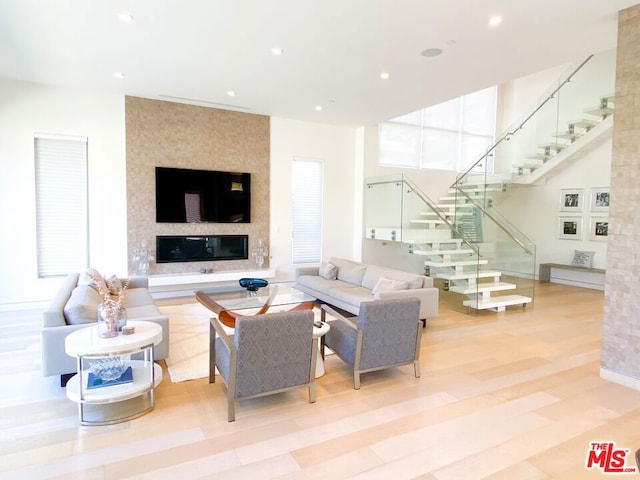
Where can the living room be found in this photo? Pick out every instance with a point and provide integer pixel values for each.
(116, 227)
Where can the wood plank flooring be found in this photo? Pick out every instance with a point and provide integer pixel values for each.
(513, 395)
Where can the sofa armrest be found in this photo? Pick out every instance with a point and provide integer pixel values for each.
(300, 271)
(428, 299)
(137, 282)
(427, 282)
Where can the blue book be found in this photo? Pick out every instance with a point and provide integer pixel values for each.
(95, 382)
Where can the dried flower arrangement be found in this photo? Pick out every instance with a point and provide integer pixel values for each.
(110, 288)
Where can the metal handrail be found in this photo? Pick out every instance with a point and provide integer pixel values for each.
(508, 134)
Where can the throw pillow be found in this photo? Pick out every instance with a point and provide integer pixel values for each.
(351, 273)
(328, 271)
(114, 284)
(82, 306)
(582, 259)
(389, 285)
(93, 278)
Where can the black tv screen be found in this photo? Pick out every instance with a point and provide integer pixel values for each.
(200, 196)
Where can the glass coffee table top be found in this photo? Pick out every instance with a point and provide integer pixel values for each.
(239, 301)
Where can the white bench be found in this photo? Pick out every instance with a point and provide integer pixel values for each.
(568, 275)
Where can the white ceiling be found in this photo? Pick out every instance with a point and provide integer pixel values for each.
(334, 50)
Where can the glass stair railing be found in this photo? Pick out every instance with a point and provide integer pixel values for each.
(397, 210)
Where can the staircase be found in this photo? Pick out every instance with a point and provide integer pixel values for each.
(454, 261)
(466, 242)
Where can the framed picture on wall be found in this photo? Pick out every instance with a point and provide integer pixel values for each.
(570, 228)
(599, 229)
(571, 200)
(600, 199)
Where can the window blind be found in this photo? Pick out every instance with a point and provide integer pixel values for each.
(307, 211)
(61, 205)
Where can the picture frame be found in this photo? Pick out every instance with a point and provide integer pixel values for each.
(571, 199)
(599, 229)
(600, 197)
(569, 228)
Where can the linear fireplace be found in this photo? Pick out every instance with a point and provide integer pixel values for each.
(197, 248)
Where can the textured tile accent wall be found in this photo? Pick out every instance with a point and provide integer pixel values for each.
(621, 323)
(167, 134)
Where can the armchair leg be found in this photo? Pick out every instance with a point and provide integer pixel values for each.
(416, 368)
(312, 392)
(356, 379)
(231, 409)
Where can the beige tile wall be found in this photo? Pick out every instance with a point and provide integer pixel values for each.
(185, 136)
(621, 325)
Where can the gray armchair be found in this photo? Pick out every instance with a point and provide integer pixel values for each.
(266, 354)
(385, 334)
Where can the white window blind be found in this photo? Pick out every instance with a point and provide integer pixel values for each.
(307, 211)
(448, 136)
(61, 205)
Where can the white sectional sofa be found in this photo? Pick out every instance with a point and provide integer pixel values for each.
(75, 306)
(345, 284)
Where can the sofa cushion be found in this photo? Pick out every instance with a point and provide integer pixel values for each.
(348, 271)
(320, 284)
(389, 285)
(328, 271)
(82, 306)
(136, 297)
(142, 312)
(375, 272)
(351, 295)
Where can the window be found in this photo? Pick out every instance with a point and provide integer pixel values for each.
(61, 204)
(307, 211)
(448, 136)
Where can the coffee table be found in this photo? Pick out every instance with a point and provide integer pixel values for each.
(250, 305)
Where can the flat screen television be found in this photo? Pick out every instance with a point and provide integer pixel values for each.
(202, 196)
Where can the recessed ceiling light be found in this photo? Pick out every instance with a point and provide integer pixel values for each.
(384, 75)
(431, 52)
(318, 108)
(126, 17)
(495, 21)
(276, 51)
(231, 93)
(118, 75)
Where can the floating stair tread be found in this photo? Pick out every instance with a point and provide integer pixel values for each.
(428, 221)
(457, 251)
(600, 111)
(468, 275)
(482, 287)
(553, 146)
(569, 135)
(454, 263)
(583, 123)
(493, 302)
(527, 165)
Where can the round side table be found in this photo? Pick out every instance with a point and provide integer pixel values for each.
(86, 345)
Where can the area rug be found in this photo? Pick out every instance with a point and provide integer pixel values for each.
(189, 341)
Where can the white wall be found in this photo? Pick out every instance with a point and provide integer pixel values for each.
(335, 148)
(28, 109)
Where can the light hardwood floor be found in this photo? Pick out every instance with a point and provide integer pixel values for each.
(514, 395)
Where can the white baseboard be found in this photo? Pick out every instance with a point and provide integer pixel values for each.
(620, 378)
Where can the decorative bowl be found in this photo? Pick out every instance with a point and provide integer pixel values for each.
(253, 284)
(110, 368)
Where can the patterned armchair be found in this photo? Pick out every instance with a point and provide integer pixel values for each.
(266, 354)
(385, 334)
